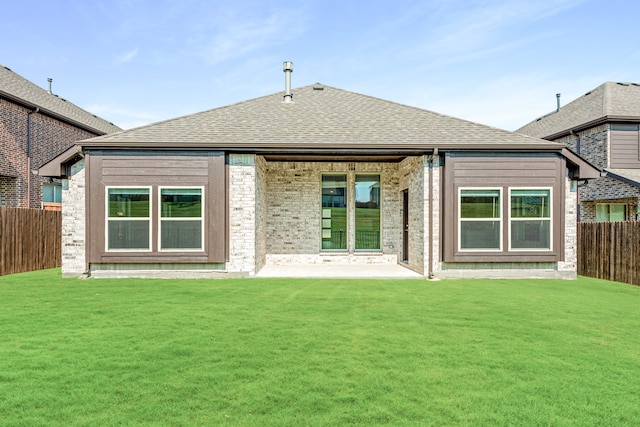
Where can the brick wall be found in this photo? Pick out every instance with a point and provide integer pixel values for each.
(242, 214)
(293, 211)
(594, 145)
(73, 222)
(49, 137)
(570, 263)
(412, 178)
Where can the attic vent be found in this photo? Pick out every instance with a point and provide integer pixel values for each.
(318, 86)
(588, 93)
(623, 84)
(6, 68)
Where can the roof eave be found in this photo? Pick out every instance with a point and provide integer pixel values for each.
(582, 168)
(55, 168)
(307, 146)
(50, 113)
(592, 123)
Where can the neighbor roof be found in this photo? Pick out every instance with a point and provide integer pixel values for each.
(20, 90)
(322, 117)
(609, 101)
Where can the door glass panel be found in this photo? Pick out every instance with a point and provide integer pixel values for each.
(334, 212)
(367, 216)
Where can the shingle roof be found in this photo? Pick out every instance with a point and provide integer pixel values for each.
(607, 100)
(22, 90)
(319, 116)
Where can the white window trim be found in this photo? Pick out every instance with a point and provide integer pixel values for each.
(460, 219)
(108, 218)
(550, 219)
(161, 219)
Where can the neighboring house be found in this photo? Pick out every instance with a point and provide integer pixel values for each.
(330, 177)
(602, 126)
(36, 126)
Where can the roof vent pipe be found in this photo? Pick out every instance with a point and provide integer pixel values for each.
(287, 67)
(49, 79)
(558, 102)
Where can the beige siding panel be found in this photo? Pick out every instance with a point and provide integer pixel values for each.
(624, 149)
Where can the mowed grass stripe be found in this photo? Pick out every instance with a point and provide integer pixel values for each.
(282, 352)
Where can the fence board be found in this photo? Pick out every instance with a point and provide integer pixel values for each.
(30, 239)
(609, 250)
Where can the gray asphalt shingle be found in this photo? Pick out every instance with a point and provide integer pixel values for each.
(608, 99)
(17, 87)
(323, 117)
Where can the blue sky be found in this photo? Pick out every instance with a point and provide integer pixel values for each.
(497, 62)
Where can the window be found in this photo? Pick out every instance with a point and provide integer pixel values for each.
(530, 220)
(128, 219)
(181, 219)
(334, 212)
(480, 225)
(611, 212)
(51, 193)
(367, 212)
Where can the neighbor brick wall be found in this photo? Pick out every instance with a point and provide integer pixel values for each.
(594, 146)
(588, 209)
(49, 137)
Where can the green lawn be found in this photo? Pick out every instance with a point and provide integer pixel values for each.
(318, 352)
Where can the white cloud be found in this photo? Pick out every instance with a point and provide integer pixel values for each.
(237, 39)
(128, 56)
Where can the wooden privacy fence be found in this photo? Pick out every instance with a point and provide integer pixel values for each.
(610, 250)
(30, 239)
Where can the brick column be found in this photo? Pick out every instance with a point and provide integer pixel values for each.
(73, 222)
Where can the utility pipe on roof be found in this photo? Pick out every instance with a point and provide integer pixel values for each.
(287, 67)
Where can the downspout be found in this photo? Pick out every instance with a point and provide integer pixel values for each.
(29, 113)
(432, 159)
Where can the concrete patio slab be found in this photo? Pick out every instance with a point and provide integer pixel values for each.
(377, 271)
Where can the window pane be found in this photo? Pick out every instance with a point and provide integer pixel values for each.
(129, 202)
(57, 196)
(618, 212)
(480, 204)
(181, 202)
(334, 212)
(530, 203)
(48, 193)
(132, 234)
(367, 212)
(531, 234)
(480, 235)
(181, 234)
(602, 212)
